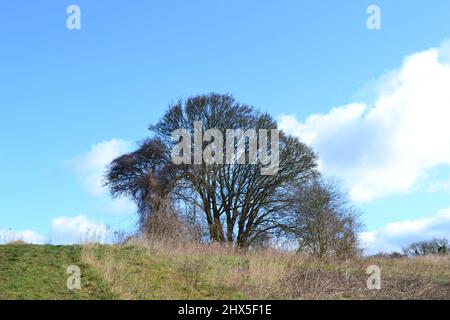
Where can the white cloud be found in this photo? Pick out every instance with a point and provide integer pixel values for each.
(67, 230)
(27, 236)
(395, 236)
(386, 147)
(63, 230)
(439, 186)
(91, 167)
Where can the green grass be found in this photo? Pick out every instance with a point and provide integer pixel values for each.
(135, 273)
(165, 270)
(39, 272)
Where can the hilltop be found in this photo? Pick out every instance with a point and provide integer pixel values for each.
(164, 270)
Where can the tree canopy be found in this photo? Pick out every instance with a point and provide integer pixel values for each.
(239, 203)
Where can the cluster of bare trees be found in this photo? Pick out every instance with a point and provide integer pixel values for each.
(237, 204)
(432, 247)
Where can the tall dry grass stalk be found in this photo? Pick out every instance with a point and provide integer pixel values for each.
(11, 237)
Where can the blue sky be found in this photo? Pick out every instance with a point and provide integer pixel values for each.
(65, 95)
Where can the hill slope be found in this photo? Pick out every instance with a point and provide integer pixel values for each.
(164, 270)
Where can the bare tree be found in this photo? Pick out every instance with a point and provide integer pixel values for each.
(145, 176)
(324, 222)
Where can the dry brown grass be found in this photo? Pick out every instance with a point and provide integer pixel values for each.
(16, 242)
(157, 269)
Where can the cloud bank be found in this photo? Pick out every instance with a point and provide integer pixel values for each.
(63, 230)
(387, 146)
(395, 236)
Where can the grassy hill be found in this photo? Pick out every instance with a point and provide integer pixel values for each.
(162, 270)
